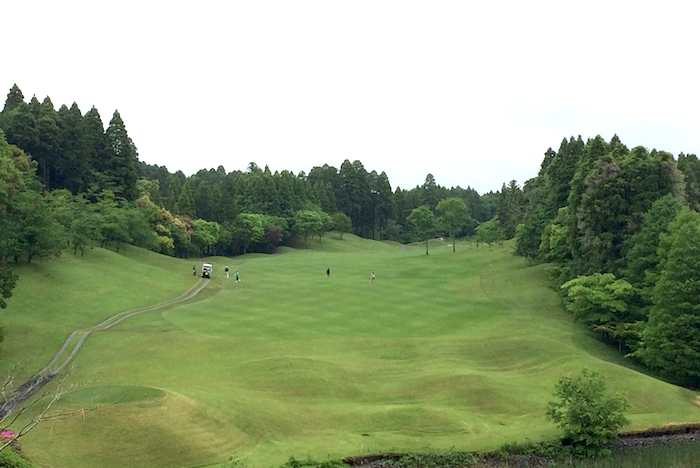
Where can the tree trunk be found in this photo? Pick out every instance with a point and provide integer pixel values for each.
(426, 246)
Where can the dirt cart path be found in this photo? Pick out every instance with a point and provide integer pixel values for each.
(75, 341)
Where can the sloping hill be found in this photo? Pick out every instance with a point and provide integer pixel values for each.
(443, 350)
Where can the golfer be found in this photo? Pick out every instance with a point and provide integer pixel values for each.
(328, 272)
(226, 270)
(372, 278)
(237, 278)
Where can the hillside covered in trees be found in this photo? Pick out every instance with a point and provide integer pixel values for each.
(622, 229)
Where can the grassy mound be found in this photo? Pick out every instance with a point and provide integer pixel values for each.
(445, 350)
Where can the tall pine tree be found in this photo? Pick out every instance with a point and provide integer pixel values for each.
(14, 98)
(121, 157)
(671, 338)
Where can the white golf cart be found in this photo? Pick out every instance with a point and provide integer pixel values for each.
(206, 270)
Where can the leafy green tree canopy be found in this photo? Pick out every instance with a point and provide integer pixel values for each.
(455, 215)
(248, 229)
(597, 299)
(490, 232)
(307, 223)
(671, 338)
(423, 222)
(588, 415)
(342, 223)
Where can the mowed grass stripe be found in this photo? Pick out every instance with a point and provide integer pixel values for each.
(445, 350)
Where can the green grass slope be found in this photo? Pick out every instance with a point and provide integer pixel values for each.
(445, 350)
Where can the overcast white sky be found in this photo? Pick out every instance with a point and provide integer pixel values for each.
(472, 92)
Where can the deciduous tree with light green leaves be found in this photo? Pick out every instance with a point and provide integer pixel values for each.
(206, 235)
(326, 225)
(248, 229)
(601, 302)
(38, 233)
(454, 215)
(341, 223)
(423, 222)
(11, 184)
(307, 223)
(490, 232)
(588, 415)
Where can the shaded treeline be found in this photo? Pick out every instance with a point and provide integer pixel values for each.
(622, 229)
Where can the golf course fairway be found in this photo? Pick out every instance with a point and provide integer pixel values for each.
(444, 350)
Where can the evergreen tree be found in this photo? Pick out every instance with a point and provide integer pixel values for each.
(642, 258)
(174, 189)
(121, 157)
(35, 107)
(216, 200)
(620, 188)
(429, 195)
(539, 214)
(560, 171)
(351, 194)
(671, 338)
(203, 201)
(95, 141)
(14, 98)
(383, 201)
(186, 199)
(549, 156)
(20, 128)
(229, 207)
(689, 165)
(489, 205)
(74, 172)
(473, 201)
(511, 208)
(48, 150)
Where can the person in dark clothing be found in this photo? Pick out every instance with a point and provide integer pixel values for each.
(328, 272)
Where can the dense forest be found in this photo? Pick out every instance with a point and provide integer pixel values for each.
(622, 230)
(66, 181)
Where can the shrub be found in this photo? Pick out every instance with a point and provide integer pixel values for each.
(294, 463)
(550, 449)
(12, 459)
(589, 417)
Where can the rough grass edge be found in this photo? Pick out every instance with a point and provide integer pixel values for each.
(524, 454)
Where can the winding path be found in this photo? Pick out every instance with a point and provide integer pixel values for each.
(60, 360)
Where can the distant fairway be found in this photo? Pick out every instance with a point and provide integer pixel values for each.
(447, 350)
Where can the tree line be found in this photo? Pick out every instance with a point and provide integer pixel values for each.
(622, 230)
(82, 183)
